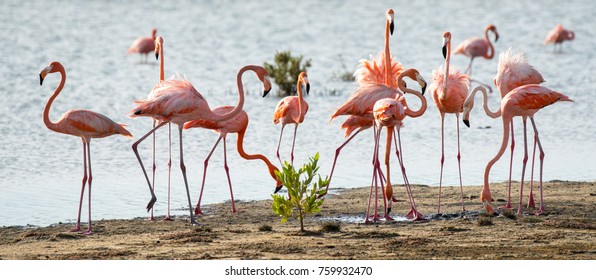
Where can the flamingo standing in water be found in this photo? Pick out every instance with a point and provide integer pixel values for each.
(237, 124)
(514, 71)
(523, 101)
(558, 35)
(81, 123)
(292, 109)
(449, 91)
(143, 45)
(474, 47)
(177, 101)
(369, 71)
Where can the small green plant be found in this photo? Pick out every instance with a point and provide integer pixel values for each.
(285, 71)
(302, 197)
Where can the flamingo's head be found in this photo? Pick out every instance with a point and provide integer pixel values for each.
(494, 30)
(263, 76)
(54, 66)
(416, 76)
(303, 81)
(486, 199)
(390, 17)
(469, 104)
(278, 184)
(158, 46)
(446, 41)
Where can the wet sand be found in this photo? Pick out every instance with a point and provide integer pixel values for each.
(567, 231)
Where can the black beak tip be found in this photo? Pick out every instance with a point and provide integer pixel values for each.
(40, 80)
(467, 123)
(423, 89)
(278, 188)
(444, 51)
(307, 88)
(157, 56)
(391, 26)
(496, 37)
(266, 92)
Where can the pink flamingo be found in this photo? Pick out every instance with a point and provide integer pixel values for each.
(523, 101)
(151, 95)
(449, 92)
(177, 101)
(143, 45)
(292, 109)
(81, 123)
(390, 112)
(474, 47)
(370, 71)
(558, 35)
(514, 71)
(237, 124)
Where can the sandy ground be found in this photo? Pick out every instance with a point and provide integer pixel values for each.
(566, 231)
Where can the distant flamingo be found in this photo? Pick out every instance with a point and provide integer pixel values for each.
(82, 123)
(237, 124)
(514, 71)
(523, 101)
(449, 91)
(177, 101)
(474, 47)
(292, 109)
(370, 71)
(143, 45)
(558, 35)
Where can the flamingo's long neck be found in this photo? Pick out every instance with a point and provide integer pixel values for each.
(161, 64)
(485, 195)
(491, 48)
(387, 55)
(446, 74)
(408, 112)
(46, 110)
(240, 104)
(495, 114)
(243, 154)
(300, 101)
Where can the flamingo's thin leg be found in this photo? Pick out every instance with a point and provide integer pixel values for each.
(183, 168)
(413, 214)
(541, 207)
(461, 188)
(168, 217)
(279, 142)
(293, 142)
(337, 151)
(228, 174)
(508, 205)
(151, 218)
(135, 148)
(531, 203)
(442, 159)
(89, 181)
(205, 164)
(84, 182)
(525, 161)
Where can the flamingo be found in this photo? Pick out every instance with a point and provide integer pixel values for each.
(449, 91)
(159, 55)
(558, 35)
(514, 71)
(390, 112)
(474, 47)
(143, 45)
(370, 71)
(523, 101)
(292, 109)
(81, 123)
(237, 124)
(177, 101)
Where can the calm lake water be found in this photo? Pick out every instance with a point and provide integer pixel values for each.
(40, 171)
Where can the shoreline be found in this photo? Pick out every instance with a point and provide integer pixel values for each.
(567, 231)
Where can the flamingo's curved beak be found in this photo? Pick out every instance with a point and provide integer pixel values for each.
(278, 188)
(467, 122)
(496, 36)
(423, 88)
(40, 79)
(444, 51)
(307, 87)
(266, 92)
(156, 56)
(391, 26)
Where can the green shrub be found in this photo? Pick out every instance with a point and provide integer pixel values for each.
(303, 197)
(285, 71)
